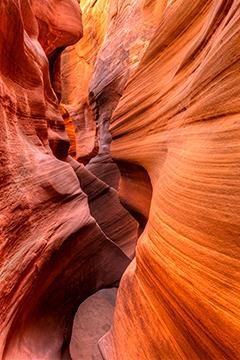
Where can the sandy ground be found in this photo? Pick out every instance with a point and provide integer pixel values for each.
(92, 320)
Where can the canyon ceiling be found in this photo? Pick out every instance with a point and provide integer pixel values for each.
(120, 167)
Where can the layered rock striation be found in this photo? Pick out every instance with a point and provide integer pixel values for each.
(54, 253)
(148, 92)
(179, 119)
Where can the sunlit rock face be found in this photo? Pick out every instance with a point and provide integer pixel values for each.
(179, 119)
(94, 74)
(116, 35)
(149, 93)
(77, 68)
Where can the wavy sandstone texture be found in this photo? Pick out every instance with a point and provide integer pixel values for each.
(118, 30)
(55, 248)
(179, 119)
(154, 86)
(77, 67)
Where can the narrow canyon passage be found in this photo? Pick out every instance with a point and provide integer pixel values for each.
(120, 180)
(94, 316)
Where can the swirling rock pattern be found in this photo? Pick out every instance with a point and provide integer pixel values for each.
(77, 68)
(116, 34)
(48, 238)
(179, 119)
(160, 79)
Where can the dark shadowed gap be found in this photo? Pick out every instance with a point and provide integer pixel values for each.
(135, 191)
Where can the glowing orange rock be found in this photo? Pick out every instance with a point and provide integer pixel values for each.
(77, 68)
(179, 119)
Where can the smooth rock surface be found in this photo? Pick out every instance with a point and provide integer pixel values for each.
(116, 35)
(53, 254)
(150, 99)
(92, 320)
(77, 68)
(179, 119)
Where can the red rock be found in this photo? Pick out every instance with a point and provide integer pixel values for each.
(161, 80)
(77, 68)
(48, 258)
(178, 118)
(114, 220)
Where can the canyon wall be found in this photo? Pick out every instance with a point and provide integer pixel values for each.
(179, 119)
(77, 67)
(116, 35)
(56, 249)
(148, 92)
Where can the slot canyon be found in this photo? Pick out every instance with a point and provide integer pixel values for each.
(120, 180)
